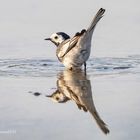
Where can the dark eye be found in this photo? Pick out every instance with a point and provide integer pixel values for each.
(56, 37)
(57, 98)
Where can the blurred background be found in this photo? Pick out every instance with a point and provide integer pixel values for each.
(25, 24)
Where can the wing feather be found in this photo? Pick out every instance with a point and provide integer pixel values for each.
(66, 46)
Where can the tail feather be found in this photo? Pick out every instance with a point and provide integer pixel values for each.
(97, 17)
(99, 122)
(87, 36)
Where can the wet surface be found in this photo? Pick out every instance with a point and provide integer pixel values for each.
(39, 99)
(74, 86)
(30, 73)
(45, 67)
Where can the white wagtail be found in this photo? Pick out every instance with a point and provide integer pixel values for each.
(74, 52)
(75, 86)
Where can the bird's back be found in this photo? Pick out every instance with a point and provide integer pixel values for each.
(75, 52)
(71, 53)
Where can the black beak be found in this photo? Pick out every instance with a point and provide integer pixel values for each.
(47, 39)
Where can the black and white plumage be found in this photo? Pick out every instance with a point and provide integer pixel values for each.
(75, 86)
(74, 52)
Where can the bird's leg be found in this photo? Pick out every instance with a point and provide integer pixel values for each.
(85, 67)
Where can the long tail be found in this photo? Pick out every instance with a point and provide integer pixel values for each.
(97, 17)
(99, 121)
(87, 36)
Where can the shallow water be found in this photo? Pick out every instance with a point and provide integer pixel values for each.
(110, 90)
(45, 67)
(112, 84)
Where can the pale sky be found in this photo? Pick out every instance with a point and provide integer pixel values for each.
(25, 24)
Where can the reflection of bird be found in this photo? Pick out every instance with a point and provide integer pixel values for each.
(75, 86)
(74, 52)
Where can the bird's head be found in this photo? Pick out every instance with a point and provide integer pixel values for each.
(58, 38)
(58, 97)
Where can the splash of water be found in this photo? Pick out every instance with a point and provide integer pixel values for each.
(46, 67)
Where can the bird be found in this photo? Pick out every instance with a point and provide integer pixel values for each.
(74, 52)
(75, 86)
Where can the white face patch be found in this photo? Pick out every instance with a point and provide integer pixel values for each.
(57, 39)
(58, 97)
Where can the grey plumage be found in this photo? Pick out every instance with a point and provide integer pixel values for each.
(74, 52)
(76, 87)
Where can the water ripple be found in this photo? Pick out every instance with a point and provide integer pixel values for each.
(47, 67)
